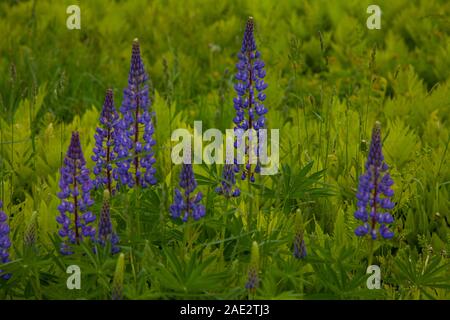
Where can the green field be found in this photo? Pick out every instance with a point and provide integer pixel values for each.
(329, 80)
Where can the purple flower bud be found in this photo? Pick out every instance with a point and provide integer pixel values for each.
(105, 228)
(299, 246)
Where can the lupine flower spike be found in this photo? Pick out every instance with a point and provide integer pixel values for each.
(105, 137)
(185, 203)
(249, 103)
(117, 285)
(5, 242)
(30, 236)
(374, 193)
(105, 228)
(228, 184)
(253, 279)
(299, 241)
(75, 217)
(135, 141)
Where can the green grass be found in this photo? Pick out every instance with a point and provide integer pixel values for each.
(330, 79)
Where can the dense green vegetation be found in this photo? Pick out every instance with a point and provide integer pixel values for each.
(330, 79)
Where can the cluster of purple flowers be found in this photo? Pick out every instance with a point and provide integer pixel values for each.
(124, 152)
(228, 184)
(135, 141)
(5, 242)
(120, 144)
(374, 193)
(249, 103)
(185, 204)
(75, 217)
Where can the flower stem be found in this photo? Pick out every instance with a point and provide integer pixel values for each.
(222, 245)
(250, 205)
(370, 252)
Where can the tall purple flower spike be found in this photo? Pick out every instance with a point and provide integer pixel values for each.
(185, 203)
(374, 193)
(105, 138)
(248, 104)
(75, 217)
(135, 141)
(5, 242)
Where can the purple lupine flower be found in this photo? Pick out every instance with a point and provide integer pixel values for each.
(75, 198)
(135, 141)
(228, 184)
(5, 242)
(185, 203)
(252, 280)
(374, 193)
(249, 104)
(105, 228)
(252, 277)
(299, 246)
(103, 151)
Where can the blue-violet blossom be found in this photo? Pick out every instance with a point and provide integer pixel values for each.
(228, 184)
(105, 228)
(75, 217)
(135, 141)
(248, 104)
(185, 203)
(5, 242)
(105, 137)
(374, 193)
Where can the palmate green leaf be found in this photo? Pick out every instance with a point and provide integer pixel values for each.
(414, 270)
(208, 175)
(339, 273)
(399, 134)
(300, 185)
(340, 230)
(188, 275)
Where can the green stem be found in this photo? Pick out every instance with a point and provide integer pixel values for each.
(370, 252)
(138, 216)
(250, 205)
(227, 201)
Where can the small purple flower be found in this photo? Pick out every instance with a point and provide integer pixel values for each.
(228, 184)
(252, 277)
(374, 193)
(75, 218)
(299, 246)
(135, 141)
(249, 103)
(253, 280)
(186, 204)
(105, 137)
(105, 228)
(5, 242)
